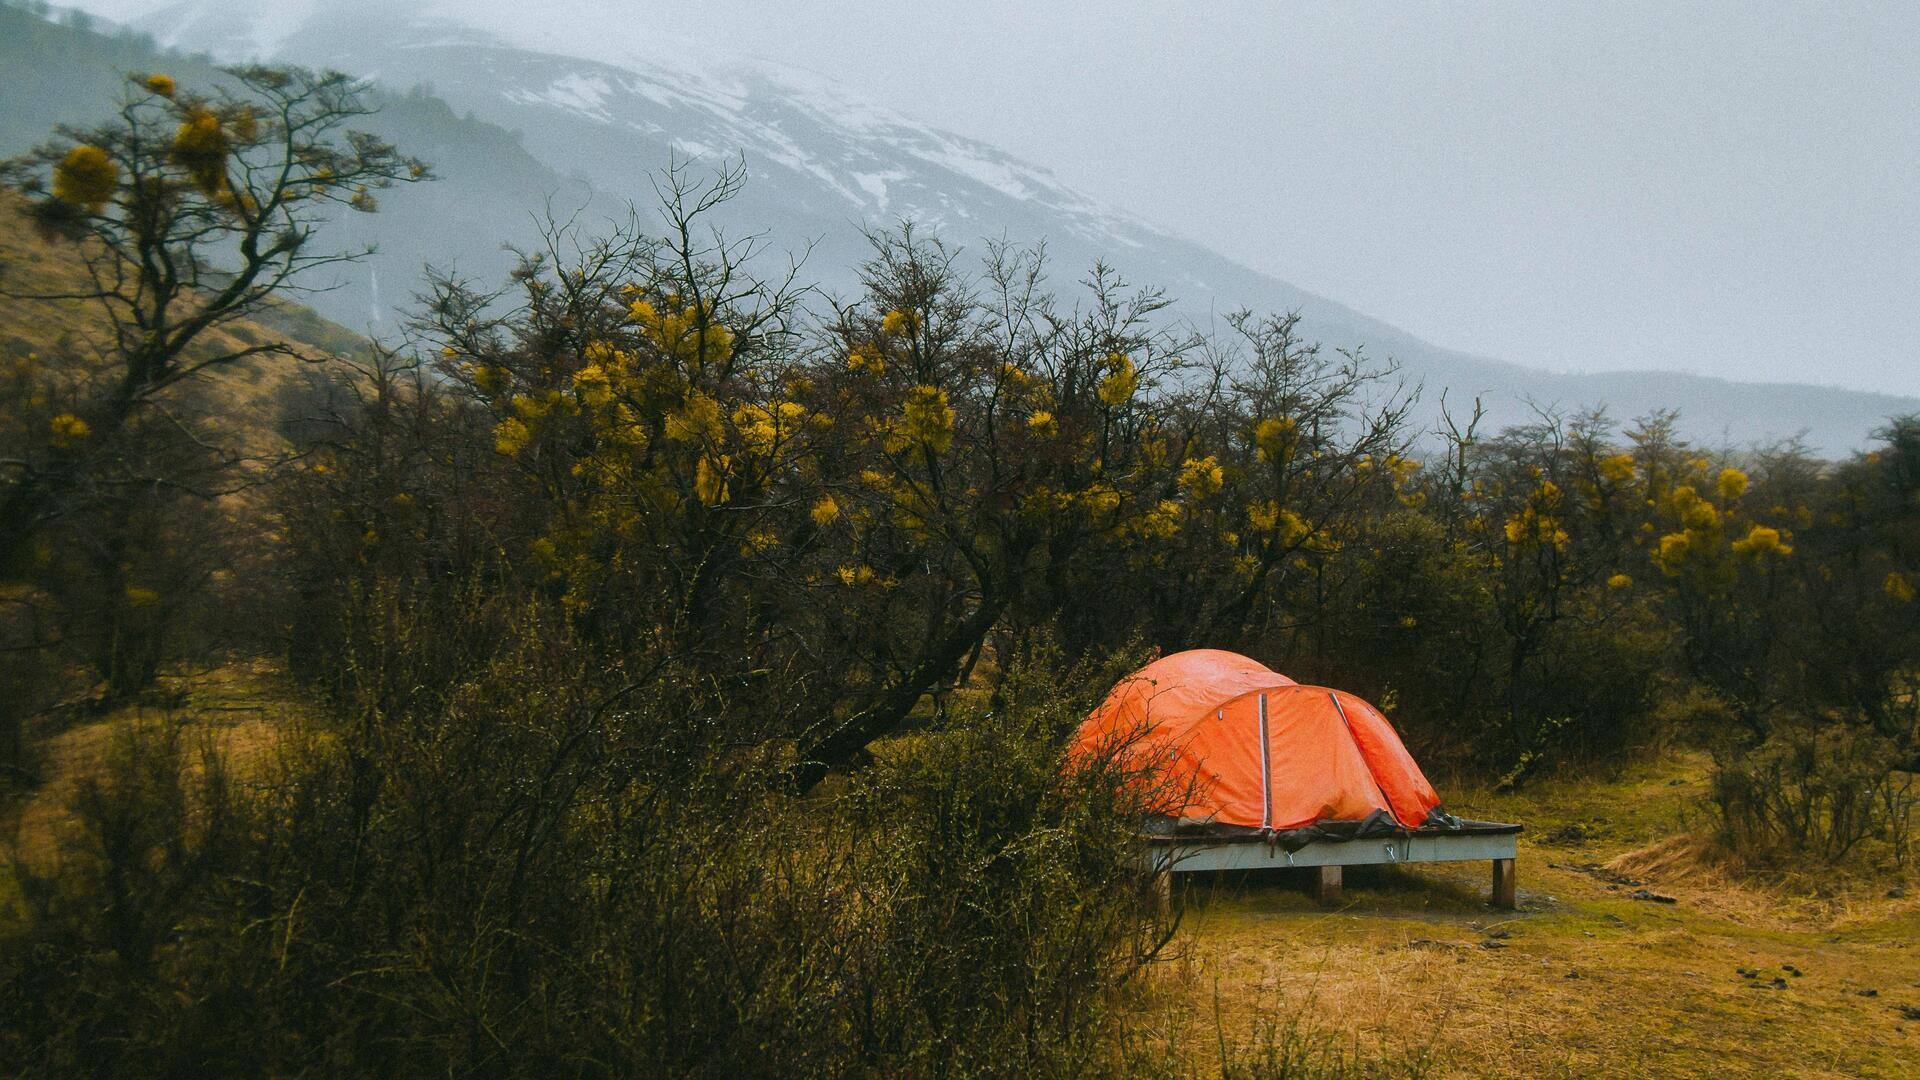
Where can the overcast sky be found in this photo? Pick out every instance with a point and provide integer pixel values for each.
(1726, 188)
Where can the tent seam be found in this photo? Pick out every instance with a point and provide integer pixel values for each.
(1366, 763)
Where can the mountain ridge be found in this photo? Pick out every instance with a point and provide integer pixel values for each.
(824, 166)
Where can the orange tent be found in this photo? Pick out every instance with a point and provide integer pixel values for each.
(1245, 747)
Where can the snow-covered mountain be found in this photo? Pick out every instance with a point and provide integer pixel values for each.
(602, 105)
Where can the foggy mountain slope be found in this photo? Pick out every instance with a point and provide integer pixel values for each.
(598, 114)
(487, 191)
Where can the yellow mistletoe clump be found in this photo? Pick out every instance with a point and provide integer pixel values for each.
(763, 428)
(1120, 383)
(1160, 523)
(200, 146)
(1154, 449)
(1732, 483)
(1098, 500)
(1762, 542)
(510, 436)
(1042, 423)
(1043, 500)
(1617, 470)
(86, 177)
(1292, 527)
(1898, 587)
(1693, 511)
(1401, 472)
(592, 386)
(1273, 437)
(535, 410)
(605, 354)
(487, 379)
(864, 358)
(690, 335)
(246, 124)
(159, 84)
(1672, 554)
(897, 322)
(1538, 522)
(1268, 517)
(69, 429)
(240, 202)
(1619, 581)
(825, 512)
(1201, 477)
(926, 419)
(695, 422)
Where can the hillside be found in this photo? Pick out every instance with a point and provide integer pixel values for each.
(461, 222)
(71, 332)
(584, 120)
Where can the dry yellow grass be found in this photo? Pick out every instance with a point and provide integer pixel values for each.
(240, 710)
(1583, 980)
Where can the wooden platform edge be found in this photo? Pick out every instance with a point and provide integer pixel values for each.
(1188, 856)
(1168, 857)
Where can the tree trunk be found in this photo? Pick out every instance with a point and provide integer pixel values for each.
(845, 742)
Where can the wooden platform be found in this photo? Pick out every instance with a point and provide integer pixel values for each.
(1497, 844)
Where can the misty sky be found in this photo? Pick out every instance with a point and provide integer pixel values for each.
(1725, 188)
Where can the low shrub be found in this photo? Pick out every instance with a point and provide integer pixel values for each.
(1818, 789)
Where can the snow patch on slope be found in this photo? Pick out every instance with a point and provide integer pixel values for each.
(701, 97)
(584, 94)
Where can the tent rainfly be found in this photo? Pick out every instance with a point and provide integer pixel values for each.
(1249, 754)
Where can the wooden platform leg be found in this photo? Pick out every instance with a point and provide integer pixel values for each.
(1503, 884)
(1326, 884)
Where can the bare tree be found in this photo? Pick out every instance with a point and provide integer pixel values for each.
(187, 212)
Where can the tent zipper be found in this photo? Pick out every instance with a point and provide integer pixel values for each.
(1266, 771)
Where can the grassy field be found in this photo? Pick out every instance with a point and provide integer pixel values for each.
(238, 709)
(1414, 969)
(1414, 974)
